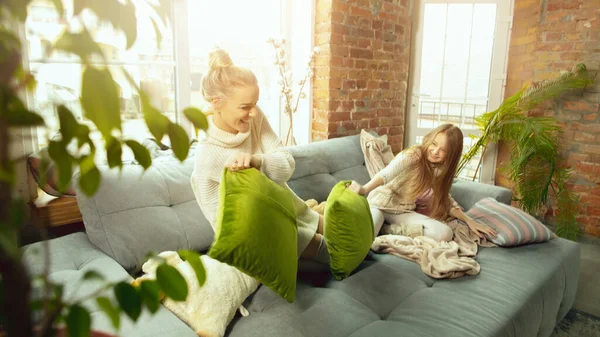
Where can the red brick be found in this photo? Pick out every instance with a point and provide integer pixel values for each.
(593, 211)
(349, 125)
(361, 53)
(581, 106)
(364, 43)
(588, 168)
(349, 84)
(347, 105)
(359, 11)
(552, 36)
(339, 116)
(590, 117)
(573, 56)
(349, 63)
(365, 23)
(585, 137)
(337, 17)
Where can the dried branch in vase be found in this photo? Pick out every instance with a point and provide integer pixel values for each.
(286, 82)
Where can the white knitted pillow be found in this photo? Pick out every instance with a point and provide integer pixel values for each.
(208, 309)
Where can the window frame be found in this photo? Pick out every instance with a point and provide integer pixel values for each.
(299, 51)
(504, 17)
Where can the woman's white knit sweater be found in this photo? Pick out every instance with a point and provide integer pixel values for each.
(277, 164)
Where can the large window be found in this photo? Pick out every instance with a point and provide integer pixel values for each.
(459, 66)
(170, 74)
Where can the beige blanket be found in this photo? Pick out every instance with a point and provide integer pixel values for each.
(451, 259)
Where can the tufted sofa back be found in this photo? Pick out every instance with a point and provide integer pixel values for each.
(135, 212)
(320, 165)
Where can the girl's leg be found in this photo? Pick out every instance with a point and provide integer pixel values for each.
(432, 228)
(378, 219)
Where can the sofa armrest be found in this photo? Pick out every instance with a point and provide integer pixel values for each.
(467, 193)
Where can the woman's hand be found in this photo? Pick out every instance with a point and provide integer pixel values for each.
(481, 230)
(242, 160)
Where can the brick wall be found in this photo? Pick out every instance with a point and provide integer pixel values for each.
(362, 71)
(549, 36)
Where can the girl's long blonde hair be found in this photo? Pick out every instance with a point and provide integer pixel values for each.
(422, 175)
(223, 76)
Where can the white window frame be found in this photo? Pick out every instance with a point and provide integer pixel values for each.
(498, 70)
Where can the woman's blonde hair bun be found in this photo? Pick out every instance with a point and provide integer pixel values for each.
(219, 58)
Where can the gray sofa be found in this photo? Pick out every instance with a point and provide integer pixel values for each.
(521, 291)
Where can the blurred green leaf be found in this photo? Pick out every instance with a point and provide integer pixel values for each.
(68, 123)
(86, 163)
(63, 161)
(17, 212)
(9, 240)
(171, 282)
(7, 174)
(121, 16)
(35, 305)
(149, 291)
(114, 152)
(81, 44)
(18, 8)
(180, 142)
(92, 275)
(58, 290)
(130, 79)
(164, 11)
(25, 78)
(197, 117)
(157, 123)
(83, 136)
(110, 310)
(129, 299)
(78, 321)
(128, 23)
(100, 100)
(157, 33)
(90, 181)
(194, 260)
(142, 156)
(18, 115)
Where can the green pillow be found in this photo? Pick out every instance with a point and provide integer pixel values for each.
(256, 230)
(348, 229)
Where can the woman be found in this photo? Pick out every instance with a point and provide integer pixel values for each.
(413, 191)
(239, 137)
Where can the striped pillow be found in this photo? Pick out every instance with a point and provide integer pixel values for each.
(514, 226)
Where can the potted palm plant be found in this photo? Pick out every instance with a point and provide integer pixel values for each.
(535, 166)
(101, 107)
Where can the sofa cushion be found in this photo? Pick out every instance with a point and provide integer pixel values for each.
(256, 230)
(135, 212)
(348, 229)
(467, 193)
(520, 292)
(73, 255)
(514, 226)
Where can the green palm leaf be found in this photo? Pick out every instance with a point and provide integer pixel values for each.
(534, 164)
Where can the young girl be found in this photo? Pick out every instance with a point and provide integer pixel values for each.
(239, 137)
(413, 191)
